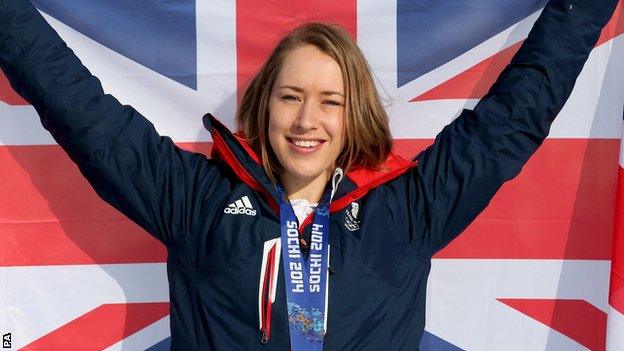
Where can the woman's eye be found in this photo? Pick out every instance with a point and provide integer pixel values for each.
(290, 98)
(333, 103)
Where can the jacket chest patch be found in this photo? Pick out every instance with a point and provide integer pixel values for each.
(352, 219)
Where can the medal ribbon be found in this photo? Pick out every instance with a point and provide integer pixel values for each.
(306, 276)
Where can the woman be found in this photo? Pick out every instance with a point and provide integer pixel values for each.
(312, 132)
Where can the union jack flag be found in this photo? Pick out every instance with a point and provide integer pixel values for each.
(531, 273)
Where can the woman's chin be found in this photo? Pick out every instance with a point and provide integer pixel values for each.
(305, 175)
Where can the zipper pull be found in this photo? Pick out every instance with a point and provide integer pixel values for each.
(265, 337)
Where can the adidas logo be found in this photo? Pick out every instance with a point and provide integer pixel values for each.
(240, 206)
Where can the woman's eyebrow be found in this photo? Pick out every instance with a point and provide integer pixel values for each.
(291, 87)
(332, 93)
(300, 90)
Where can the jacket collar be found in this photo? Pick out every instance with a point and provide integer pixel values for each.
(238, 155)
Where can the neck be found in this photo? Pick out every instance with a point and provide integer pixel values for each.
(310, 189)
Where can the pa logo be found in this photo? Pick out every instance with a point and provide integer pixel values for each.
(6, 341)
(352, 221)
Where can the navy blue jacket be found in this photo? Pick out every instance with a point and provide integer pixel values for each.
(385, 225)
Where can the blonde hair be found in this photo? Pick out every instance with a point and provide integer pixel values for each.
(367, 139)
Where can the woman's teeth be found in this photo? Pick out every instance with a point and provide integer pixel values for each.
(306, 143)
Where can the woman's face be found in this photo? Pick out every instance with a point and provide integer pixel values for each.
(306, 109)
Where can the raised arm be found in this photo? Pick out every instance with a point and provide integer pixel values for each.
(142, 174)
(474, 155)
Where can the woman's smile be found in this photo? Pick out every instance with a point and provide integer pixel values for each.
(305, 146)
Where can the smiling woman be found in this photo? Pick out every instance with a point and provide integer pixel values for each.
(306, 121)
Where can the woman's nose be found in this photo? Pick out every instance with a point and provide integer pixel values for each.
(306, 119)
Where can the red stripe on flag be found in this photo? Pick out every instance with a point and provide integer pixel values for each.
(7, 94)
(576, 319)
(475, 82)
(260, 24)
(616, 288)
(80, 242)
(560, 206)
(101, 327)
(49, 214)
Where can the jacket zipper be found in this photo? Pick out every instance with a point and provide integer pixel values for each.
(266, 318)
(267, 304)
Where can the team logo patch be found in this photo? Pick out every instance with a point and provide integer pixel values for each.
(241, 206)
(352, 222)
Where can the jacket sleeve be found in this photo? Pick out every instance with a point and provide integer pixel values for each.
(482, 148)
(143, 175)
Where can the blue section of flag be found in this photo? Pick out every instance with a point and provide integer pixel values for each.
(431, 33)
(160, 35)
(430, 342)
(163, 345)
